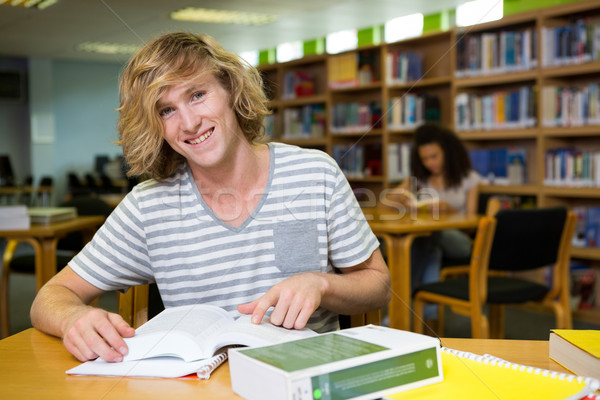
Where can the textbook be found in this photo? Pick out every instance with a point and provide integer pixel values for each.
(181, 340)
(577, 350)
(48, 215)
(481, 377)
(357, 363)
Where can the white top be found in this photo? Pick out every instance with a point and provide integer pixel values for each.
(456, 196)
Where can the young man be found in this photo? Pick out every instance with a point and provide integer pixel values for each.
(225, 220)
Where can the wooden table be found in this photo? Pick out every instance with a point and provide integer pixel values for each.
(33, 365)
(44, 237)
(398, 233)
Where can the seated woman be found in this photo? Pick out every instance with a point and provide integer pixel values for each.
(441, 171)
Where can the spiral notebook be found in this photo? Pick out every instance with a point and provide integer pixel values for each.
(472, 376)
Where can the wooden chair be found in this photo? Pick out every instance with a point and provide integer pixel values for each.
(524, 240)
(135, 310)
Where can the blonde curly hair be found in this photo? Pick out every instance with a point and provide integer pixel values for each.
(168, 60)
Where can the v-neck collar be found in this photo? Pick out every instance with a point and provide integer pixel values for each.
(208, 211)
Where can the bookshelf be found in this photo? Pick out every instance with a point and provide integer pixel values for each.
(496, 62)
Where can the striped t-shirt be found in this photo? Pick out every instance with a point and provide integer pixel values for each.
(307, 220)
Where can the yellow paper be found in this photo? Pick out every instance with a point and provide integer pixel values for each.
(469, 379)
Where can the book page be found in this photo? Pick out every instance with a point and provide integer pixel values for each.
(158, 367)
(179, 331)
(244, 332)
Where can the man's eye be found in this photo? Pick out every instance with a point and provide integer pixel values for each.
(165, 111)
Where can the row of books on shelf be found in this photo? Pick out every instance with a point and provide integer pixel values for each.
(411, 110)
(577, 42)
(496, 52)
(587, 231)
(501, 166)
(355, 117)
(572, 167)
(358, 160)
(308, 121)
(404, 66)
(570, 105)
(510, 109)
(352, 69)
(298, 84)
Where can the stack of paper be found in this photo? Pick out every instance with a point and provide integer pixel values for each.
(14, 218)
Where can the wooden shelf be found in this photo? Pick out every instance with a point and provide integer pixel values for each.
(497, 79)
(510, 134)
(569, 191)
(425, 82)
(304, 100)
(587, 253)
(367, 132)
(571, 70)
(571, 131)
(357, 88)
(519, 190)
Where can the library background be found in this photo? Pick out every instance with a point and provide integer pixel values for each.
(522, 92)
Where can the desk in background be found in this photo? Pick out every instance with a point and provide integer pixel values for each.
(33, 365)
(398, 234)
(44, 238)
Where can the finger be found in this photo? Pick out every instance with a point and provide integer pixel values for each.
(303, 317)
(247, 308)
(265, 302)
(76, 346)
(124, 329)
(98, 345)
(280, 313)
(109, 332)
(292, 313)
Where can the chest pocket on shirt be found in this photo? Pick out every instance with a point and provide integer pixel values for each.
(296, 247)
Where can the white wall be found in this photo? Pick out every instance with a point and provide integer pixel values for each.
(70, 115)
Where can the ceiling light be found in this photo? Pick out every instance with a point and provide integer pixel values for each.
(108, 48)
(39, 4)
(221, 16)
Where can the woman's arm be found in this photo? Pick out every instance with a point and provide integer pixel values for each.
(472, 200)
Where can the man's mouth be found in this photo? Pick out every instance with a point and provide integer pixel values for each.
(201, 138)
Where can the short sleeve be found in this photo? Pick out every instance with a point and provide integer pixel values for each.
(472, 180)
(350, 238)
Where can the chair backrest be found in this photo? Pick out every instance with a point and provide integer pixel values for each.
(480, 257)
(527, 238)
(85, 206)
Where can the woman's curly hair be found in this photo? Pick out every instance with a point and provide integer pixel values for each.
(457, 163)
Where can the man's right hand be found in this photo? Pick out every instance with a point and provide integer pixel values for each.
(94, 333)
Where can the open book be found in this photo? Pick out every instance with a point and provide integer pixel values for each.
(413, 201)
(182, 340)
